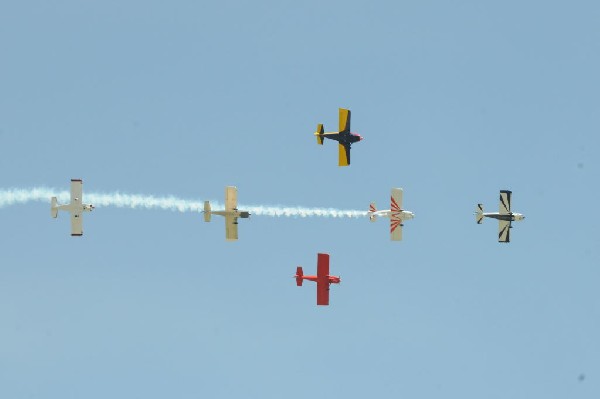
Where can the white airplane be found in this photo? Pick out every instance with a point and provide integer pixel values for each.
(231, 213)
(396, 214)
(505, 216)
(76, 207)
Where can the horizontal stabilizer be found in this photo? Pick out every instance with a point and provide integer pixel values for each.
(372, 209)
(207, 211)
(298, 276)
(479, 213)
(54, 207)
(319, 134)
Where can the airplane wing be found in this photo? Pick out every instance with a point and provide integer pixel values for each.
(396, 200)
(505, 202)
(322, 279)
(322, 292)
(344, 120)
(395, 228)
(503, 231)
(76, 224)
(344, 155)
(76, 191)
(230, 198)
(322, 265)
(231, 228)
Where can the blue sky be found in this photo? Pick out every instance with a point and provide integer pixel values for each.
(455, 102)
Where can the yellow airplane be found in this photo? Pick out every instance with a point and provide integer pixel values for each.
(343, 136)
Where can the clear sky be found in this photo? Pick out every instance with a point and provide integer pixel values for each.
(455, 100)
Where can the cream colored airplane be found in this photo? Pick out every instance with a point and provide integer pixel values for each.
(505, 216)
(396, 214)
(231, 213)
(76, 207)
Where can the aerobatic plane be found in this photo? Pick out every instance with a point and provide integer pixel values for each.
(343, 136)
(76, 207)
(505, 216)
(231, 213)
(323, 279)
(396, 214)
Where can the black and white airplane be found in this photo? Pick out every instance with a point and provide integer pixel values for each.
(505, 216)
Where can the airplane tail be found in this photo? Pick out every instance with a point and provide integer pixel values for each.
(206, 211)
(319, 134)
(479, 213)
(298, 276)
(54, 207)
(372, 208)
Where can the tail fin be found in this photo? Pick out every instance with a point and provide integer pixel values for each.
(479, 213)
(319, 134)
(298, 276)
(206, 211)
(372, 208)
(54, 207)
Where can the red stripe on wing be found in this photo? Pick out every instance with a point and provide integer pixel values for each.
(394, 205)
(394, 223)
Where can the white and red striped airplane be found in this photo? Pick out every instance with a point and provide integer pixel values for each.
(396, 214)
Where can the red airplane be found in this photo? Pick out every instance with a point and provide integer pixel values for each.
(323, 279)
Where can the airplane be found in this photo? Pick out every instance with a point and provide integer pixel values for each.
(76, 207)
(396, 214)
(343, 136)
(231, 213)
(505, 216)
(323, 279)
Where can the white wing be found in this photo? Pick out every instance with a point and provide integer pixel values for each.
(505, 202)
(230, 198)
(231, 228)
(503, 231)
(76, 191)
(76, 224)
(395, 228)
(396, 200)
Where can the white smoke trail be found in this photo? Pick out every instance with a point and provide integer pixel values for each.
(16, 196)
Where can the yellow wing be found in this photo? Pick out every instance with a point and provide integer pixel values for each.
(344, 120)
(344, 155)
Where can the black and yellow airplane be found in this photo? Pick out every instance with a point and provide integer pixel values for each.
(343, 136)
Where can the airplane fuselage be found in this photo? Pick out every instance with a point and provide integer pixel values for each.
(507, 217)
(388, 213)
(346, 138)
(75, 207)
(331, 279)
(237, 214)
